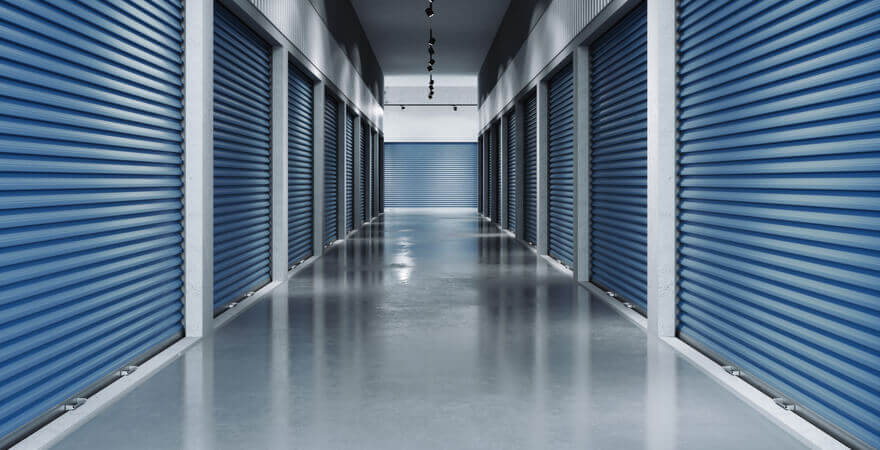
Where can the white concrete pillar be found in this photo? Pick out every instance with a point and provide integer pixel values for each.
(318, 168)
(582, 164)
(198, 247)
(543, 244)
(279, 163)
(661, 167)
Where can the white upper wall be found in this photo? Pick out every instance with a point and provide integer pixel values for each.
(301, 24)
(562, 23)
(432, 120)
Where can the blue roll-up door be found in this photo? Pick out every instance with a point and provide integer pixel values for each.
(90, 197)
(365, 175)
(300, 167)
(493, 200)
(431, 175)
(242, 147)
(349, 172)
(779, 199)
(619, 159)
(510, 180)
(480, 174)
(560, 167)
(331, 181)
(530, 177)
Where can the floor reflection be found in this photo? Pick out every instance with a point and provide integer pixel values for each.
(430, 331)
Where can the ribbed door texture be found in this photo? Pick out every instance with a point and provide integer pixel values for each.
(510, 179)
(779, 199)
(365, 174)
(480, 174)
(242, 124)
(422, 175)
(560, 167)
(496, 170)
(490, 183)
(300, 167)
(530, 177)
(619, 159)
(349, 172)
(331, 179)
(90, 196)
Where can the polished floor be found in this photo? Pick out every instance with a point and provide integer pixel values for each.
(430, 331)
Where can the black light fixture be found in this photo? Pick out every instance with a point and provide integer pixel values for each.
(429, 11)
(430, 68)
(431, 40)
(402, 107)
(430, 50)
(454, 108)
(432, 61)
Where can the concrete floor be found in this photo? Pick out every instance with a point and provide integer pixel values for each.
(430, 331)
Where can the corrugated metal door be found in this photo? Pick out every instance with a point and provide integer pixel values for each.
(349, 172)
(530, 177)
(90, 196)
(619, 159)
(779, 199)
(242, 175)
(420, 175)
(331, 180)
(510, 180)
(496, 168)
(365, 174)
(300, 167)
(480, 206)
(560, 167)
(490, 183)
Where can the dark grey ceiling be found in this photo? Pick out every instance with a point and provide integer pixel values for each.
(398, 33)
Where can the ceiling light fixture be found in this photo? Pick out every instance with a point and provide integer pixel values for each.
(429, 11)
(432, 61)
(431, 40)
(454, 108)
(430, 68)
(402, 107)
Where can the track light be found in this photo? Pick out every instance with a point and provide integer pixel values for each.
(402, 107)
(431, 61)
(430, 68)
(430, 50)
(454, 108)
(429, 11)
(431, 40)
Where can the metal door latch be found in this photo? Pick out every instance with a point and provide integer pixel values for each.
(126, 371)
(785, 403)
(72, 404)
(733, 370)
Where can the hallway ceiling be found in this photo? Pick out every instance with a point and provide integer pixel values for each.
(398, 33)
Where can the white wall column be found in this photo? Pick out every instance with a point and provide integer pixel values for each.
(198, 247)
(661, 167)
(582, 164)
(279, 163)
(318, 168)
(355, 167)
(340, 170)
(543, 244)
